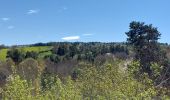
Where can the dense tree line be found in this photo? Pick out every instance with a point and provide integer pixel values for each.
(67, 51)
(86, 51)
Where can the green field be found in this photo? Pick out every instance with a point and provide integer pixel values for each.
(36, 49)
(3, 52)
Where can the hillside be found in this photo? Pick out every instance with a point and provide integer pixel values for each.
(42, 50)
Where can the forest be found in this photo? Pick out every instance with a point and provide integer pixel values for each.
(138, 69)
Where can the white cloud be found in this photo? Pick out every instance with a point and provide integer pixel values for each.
(71, 38)
(11, 27)
(5, 19)
(87, 34)
(32, 11)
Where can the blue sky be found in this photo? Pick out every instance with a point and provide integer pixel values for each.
(32, 21)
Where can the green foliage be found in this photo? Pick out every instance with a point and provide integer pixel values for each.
(16, 55)
(144, 39)
(111, 82)
(47, 80)
(73, 50)
(156, 69)
(134, 68)
(55, 58)
(107, 82)
(16, 89)
(31, 54)
(86, 51)
(63, 91)
(95, 75)
(62, 50)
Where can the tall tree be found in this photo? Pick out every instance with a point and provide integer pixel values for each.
(144, 39)
(62, 49)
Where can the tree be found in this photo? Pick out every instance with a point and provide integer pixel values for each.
(144, 39)
(62, 49)
(55, 58)
(31, 54)
(73, 50)
(16, 55)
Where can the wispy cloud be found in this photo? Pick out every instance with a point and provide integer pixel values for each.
(32, 11)
(11, 27)
(5, 19)
(87, 34)
(69, 38)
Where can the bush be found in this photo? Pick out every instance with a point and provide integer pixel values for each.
(28, 69)
(111, 82)
(31, 54)
(16, 55)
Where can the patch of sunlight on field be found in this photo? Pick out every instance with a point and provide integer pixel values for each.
(42, 55)
(37, 49)
(3, 54)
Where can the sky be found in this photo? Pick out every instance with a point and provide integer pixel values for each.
(32, 21)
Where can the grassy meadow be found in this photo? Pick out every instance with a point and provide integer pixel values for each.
(42, 50)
